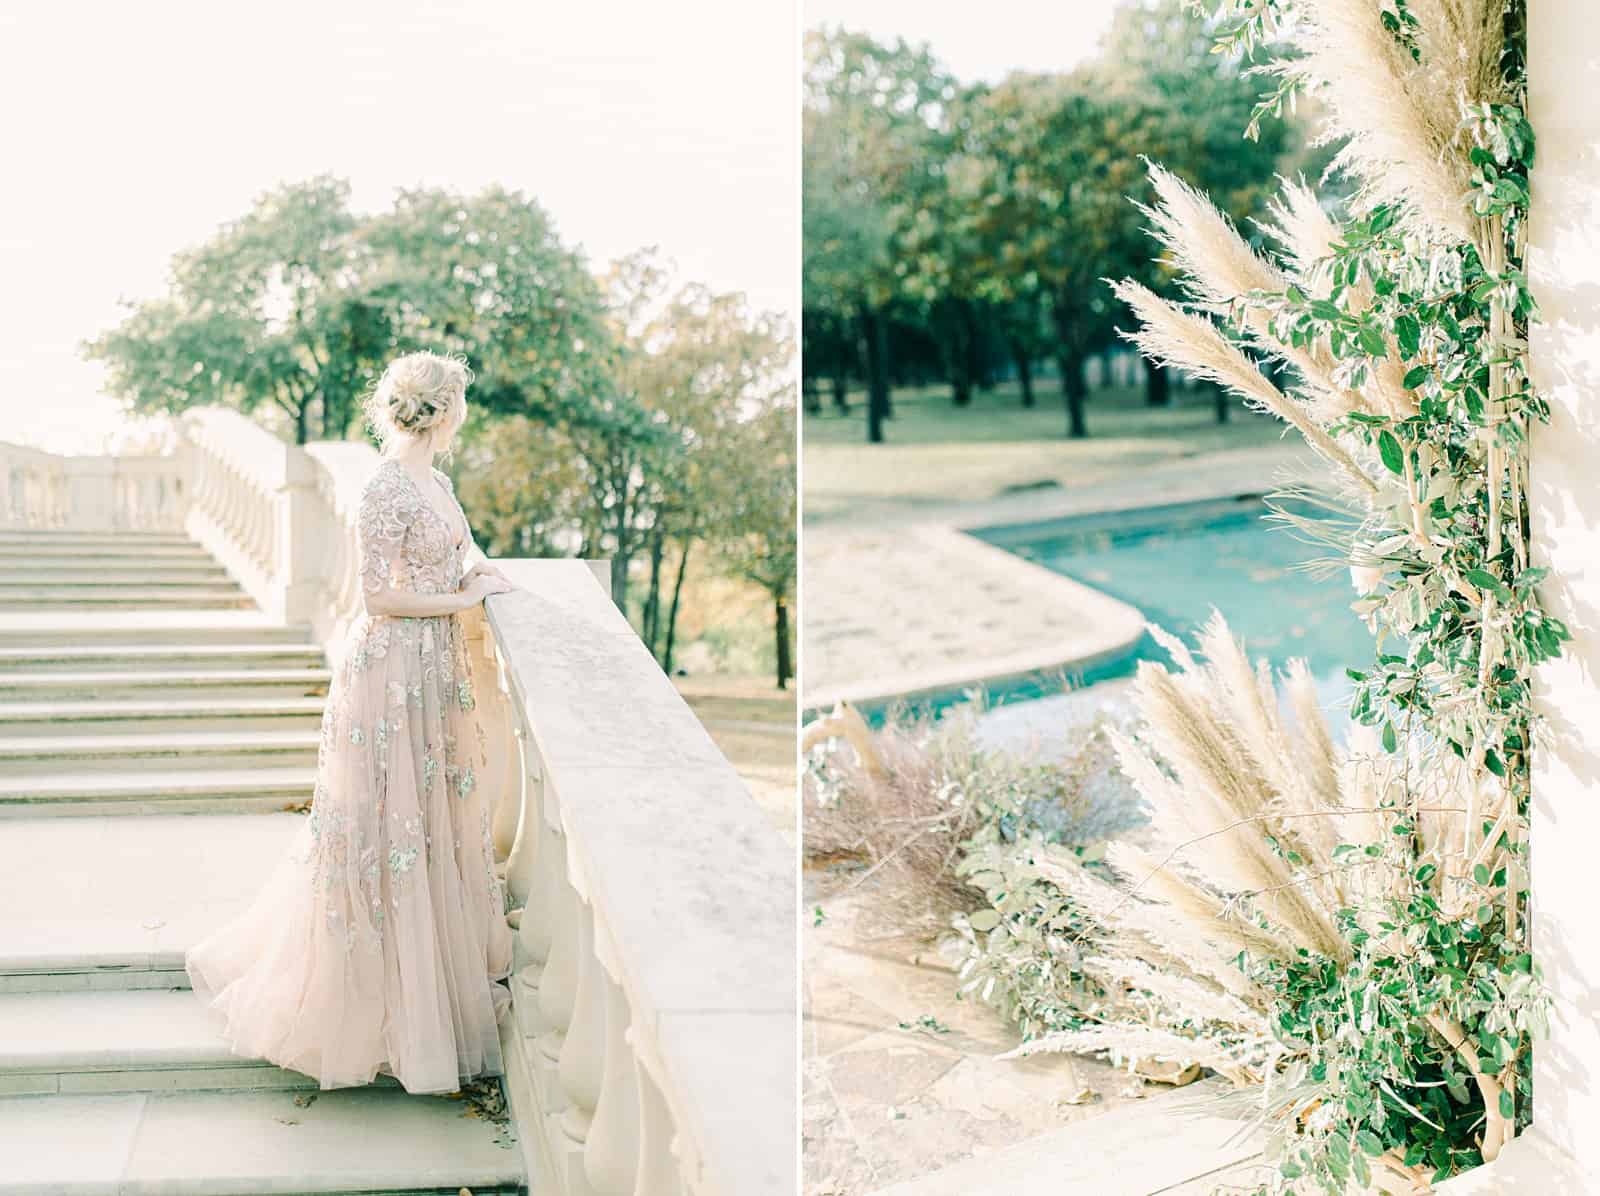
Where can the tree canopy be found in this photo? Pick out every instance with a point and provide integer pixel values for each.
(947, 225)
(626, 415)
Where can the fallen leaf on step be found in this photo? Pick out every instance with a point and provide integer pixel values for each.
(1082, 1095)
(154, 924)
(306, 1099)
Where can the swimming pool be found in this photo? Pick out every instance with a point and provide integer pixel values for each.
(1174, 563)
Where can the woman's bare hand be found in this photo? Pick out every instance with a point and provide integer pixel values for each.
(482, 586)
(483, 569)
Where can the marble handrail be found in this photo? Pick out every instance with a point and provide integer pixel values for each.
(653, 1049)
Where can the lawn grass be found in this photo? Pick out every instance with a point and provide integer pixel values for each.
(936, 453)
(753, 723)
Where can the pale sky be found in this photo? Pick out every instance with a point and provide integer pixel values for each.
(978, 41)
(133, 130)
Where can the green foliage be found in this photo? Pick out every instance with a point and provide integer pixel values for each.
(298, 304)
(487, 275)
(1434, 992)
(690, 441)
(1026, 945)
(981, 219)
(1027, 942)
(274, 311)
(607, 418)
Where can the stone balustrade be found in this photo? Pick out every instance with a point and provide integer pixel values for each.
(250, 499)
(91, 493)
(655, 1041)
(652, 1048)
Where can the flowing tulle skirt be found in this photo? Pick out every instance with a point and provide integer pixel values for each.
(379, 942)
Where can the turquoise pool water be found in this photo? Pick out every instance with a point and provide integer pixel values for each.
(1174, 563)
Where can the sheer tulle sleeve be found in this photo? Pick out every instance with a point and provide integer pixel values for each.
(381, 524)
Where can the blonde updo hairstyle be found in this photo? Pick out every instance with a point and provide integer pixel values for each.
(420, 394)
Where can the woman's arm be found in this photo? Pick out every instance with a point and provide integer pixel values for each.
(408, 604)
(388, 510)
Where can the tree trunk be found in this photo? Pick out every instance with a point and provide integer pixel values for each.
(1073, 391)
(302, 417)
(875, 333)
(809, 396)
(781, 620)
(1157, 385)
(672, 610)
(1069, 353)
(1024, 364)
(979, 376)
(650, 621)
(955, 350)
(1223, 403)
(841, 389)
(619, 562)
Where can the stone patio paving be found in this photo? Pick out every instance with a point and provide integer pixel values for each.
(900, 1075)
(899, 605)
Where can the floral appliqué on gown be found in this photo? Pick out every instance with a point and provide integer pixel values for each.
(380, 941)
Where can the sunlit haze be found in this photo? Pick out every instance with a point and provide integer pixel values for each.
(133, 131)
(978, 42)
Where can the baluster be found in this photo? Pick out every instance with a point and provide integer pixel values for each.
(510, 776)
(525, 860)
(583, 1052)
(610, 1156)
(538, 865)
(558, 982)
(659, 1174)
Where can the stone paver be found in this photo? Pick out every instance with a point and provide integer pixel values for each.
(888, 1097)
(1169, 1146)
(904, 604)
(924, 609)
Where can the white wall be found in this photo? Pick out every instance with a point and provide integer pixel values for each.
(1564, 267)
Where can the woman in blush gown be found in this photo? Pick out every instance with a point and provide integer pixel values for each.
(379, 944)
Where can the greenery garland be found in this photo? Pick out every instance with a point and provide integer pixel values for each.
(1437, 997)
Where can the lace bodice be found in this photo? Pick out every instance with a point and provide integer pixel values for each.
(404, 542)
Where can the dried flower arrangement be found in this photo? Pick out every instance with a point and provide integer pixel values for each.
(1411, 993)
(1338, 931)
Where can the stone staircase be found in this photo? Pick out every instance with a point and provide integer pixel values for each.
(158, 734)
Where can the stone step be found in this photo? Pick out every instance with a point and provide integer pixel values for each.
(159, 658)
(48, 754)
(94, 574)
(107, 902)
(89, 541)
(56, 557)
(141, 790)
(197, 564)
(226, 597)
(347, 1141)
(131, 1040)
(56, 685)
(182, 628)
(155, 715)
